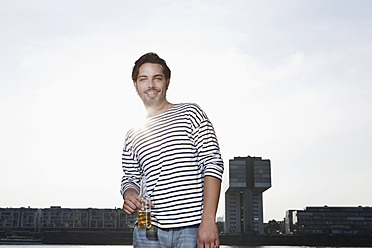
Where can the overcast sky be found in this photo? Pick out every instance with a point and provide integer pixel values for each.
(288, 81)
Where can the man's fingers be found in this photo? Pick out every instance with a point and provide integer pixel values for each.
(128, 212)
(201, 243)
(131, 205)
(128, 209)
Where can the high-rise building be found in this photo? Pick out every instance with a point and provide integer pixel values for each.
(249, 177)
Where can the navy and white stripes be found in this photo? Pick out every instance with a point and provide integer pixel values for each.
(174, 150)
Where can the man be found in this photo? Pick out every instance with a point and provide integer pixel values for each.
(176, 150)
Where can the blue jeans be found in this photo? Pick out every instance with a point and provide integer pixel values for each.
(184, 237)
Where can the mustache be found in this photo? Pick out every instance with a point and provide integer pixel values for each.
(152, 89)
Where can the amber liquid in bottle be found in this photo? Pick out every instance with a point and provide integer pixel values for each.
(144, 216)
(144, 219)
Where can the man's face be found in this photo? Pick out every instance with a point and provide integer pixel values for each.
(151, 84)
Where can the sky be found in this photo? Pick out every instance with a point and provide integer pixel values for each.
(289, 81)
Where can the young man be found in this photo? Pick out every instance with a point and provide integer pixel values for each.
(176, 150)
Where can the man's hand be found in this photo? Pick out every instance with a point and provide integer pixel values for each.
(131, 201)
(207, 236)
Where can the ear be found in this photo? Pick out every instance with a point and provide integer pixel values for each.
(168, 82)
(134, 83)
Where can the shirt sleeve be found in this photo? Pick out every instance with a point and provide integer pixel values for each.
(131, 177)
(209, 155)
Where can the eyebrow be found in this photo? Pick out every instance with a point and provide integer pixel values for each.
(156, 75)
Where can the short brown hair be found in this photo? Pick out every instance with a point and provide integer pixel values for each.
(150, 58)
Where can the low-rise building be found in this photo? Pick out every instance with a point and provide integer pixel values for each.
(330, 220)
(57, 218)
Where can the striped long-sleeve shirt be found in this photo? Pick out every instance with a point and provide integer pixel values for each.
(174, 151)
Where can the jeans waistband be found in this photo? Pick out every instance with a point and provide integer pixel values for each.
(179, 228)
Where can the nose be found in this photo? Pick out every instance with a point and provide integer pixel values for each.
(152, 83)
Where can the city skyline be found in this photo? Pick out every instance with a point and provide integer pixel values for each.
(287, 81)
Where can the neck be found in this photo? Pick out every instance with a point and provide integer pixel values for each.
(154, 110)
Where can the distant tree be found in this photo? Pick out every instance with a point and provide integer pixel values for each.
(220, 226)
(273, 227)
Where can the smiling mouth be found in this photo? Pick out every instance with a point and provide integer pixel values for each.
(152, 92)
